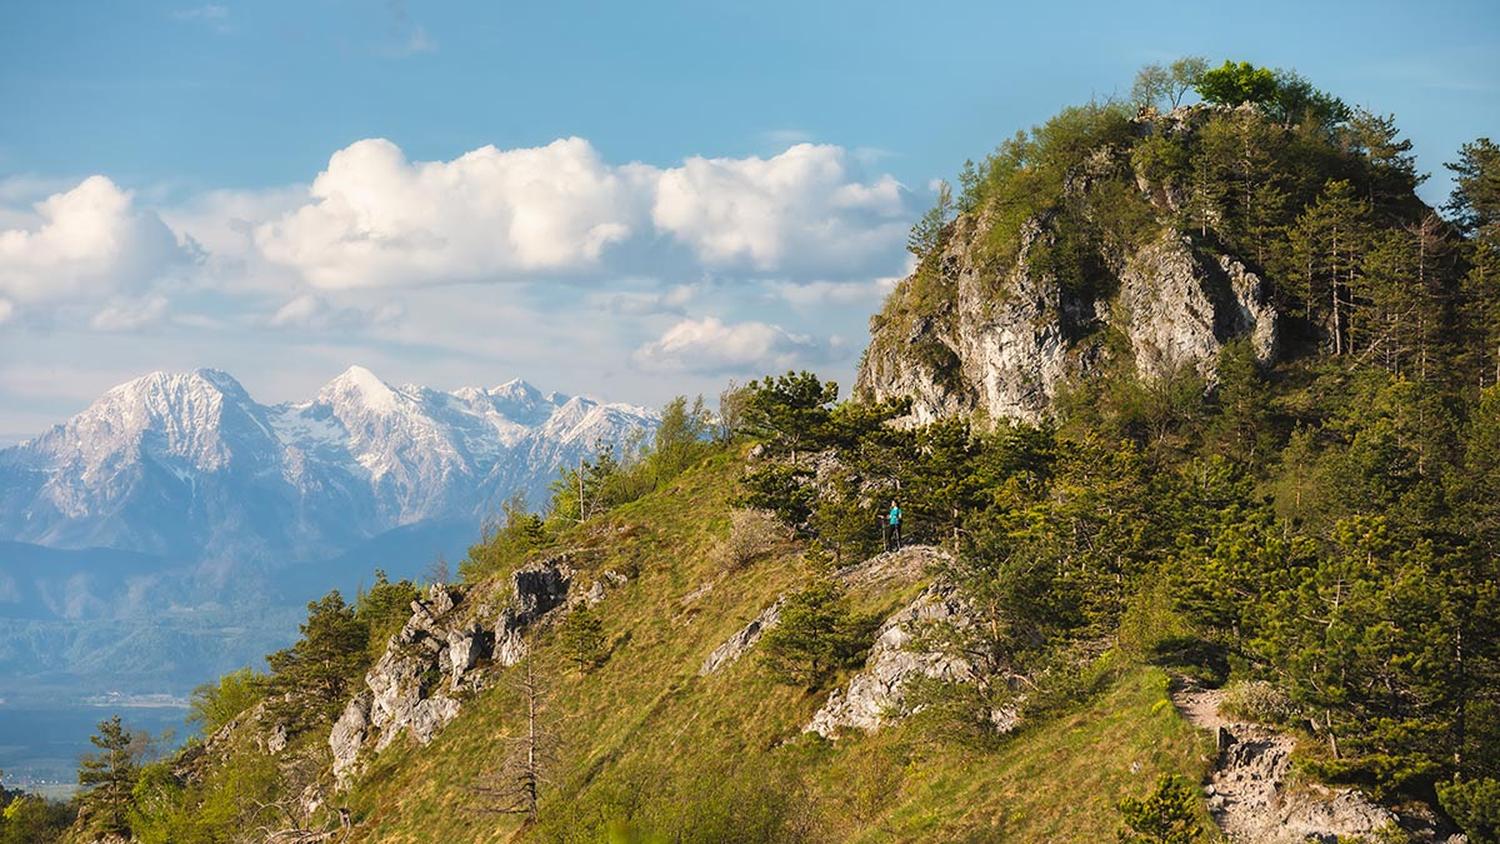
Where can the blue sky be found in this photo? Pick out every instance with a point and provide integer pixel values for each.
(681, 240)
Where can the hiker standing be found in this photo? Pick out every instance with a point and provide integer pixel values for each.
(893, 529)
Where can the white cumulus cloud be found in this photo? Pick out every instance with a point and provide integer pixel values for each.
(87, 242)
(805, 208)
(710, 345)
(376, 219)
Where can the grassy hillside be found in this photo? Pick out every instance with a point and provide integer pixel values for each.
(647, 745)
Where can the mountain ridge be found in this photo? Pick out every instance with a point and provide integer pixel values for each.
(303, 478)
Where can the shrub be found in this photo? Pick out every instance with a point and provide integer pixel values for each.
(384, 609)
(1258, 700)
(818, 634)
(214, 704)
(1168, 815)
(1475, 806)
(753, 536)
(582, 637)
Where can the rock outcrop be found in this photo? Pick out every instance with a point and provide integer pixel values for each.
(970, 333)
(537, 590)
(743, 640)
(419, 684)
(1180, 307)
(1251, 799)
(412, 687)
(890, 569)
(878, 693)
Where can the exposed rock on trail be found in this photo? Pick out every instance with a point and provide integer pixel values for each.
(1249, 796)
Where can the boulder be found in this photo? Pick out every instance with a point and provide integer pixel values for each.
(465, 647)
(877, 694)
(277, 740)
(431, 715)
(743, 640)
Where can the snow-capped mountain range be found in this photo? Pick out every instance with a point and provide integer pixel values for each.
(189, 466)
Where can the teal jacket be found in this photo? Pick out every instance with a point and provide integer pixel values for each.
(895, 515)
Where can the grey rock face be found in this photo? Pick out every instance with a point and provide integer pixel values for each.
(742, 641)
(1180, 309)
(536, 590)
(1002, 341)
(277, 740)
(465, 647)
(348, 734)
(411, 687)
(418, 685)
(877, 694)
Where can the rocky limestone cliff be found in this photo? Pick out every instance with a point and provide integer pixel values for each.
(439, 657)
(970, 332)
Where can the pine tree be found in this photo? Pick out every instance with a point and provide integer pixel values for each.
(790, 412)
(818, 634)
(1475, 209)
(1168, 815)
(108, 778)
(970, 183)
(1392, 167)
(927, 234)
(582, 637)
(1329, 242)
(312, 678)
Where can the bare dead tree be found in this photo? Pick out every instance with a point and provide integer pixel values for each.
(514, 787)
(288, 824)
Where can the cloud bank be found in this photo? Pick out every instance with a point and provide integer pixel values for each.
(712, 265)
(375, 219)
(86, 243)
(711, 346)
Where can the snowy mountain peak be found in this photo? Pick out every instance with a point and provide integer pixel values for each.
(176, 384)
(188, 463)
(516, 388)
(360, 386)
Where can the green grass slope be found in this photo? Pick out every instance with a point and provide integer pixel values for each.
(648, 750)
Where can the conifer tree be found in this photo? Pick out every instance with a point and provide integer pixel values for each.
(927, 234)
(312, 678)
(108, 778)
(582, 637)
(1329, 242)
